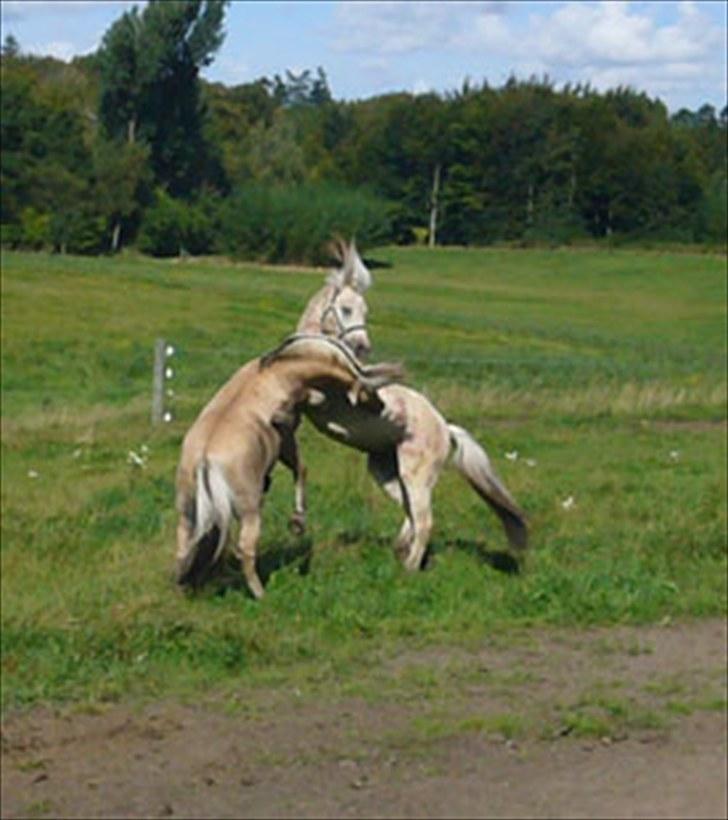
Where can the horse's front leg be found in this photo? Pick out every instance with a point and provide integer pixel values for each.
(290, 457)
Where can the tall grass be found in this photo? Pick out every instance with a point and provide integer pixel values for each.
(602, 376)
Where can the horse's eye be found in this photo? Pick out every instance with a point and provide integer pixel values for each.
(346, 312)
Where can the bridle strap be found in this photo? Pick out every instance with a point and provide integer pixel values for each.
(342, 329)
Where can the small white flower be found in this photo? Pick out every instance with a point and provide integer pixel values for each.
(168, 373)
(144, 449)
(568, 503)
(169, 350)
(77, 453)
(136, 459)
(33, 474)
(167, 416)
(170, 393)
(512, 456)
(674, 455)
(531, 462)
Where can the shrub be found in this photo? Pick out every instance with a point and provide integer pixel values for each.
(294, 224)
(171, 227)
(77, 231)
(34, 229)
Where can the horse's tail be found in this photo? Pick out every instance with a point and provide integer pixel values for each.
(213, 512)
(473, 463)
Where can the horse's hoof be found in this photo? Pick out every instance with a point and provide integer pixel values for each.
(297, 524)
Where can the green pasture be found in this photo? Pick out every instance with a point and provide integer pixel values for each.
(602, 375)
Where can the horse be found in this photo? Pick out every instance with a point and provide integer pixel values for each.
(229, 451)
(406, 439)
(337, 310)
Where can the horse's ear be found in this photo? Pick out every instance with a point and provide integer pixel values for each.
(337, 248)
(357, 273)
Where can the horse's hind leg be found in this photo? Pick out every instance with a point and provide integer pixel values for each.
(420, 500)
(246, 549)
(420, 459)
(383, 468)
(289, 456)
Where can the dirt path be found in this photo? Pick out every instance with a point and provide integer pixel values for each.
(600, 723)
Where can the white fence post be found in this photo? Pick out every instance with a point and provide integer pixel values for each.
(160, 347)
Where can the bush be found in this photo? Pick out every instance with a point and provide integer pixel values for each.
(34, 229)
(78, 232)
(294, 224)
(553, 226)
(172, 227)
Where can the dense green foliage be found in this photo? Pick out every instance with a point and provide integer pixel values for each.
(97, 153)
(605, 372)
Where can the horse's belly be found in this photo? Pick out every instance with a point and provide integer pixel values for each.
(357, 426)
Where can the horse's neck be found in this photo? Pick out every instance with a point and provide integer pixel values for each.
(310, 321)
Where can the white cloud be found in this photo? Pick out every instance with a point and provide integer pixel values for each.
(611, 33)
(60, 49)
(233, 70)
(662, 48)
(20, 10)
(404, 27)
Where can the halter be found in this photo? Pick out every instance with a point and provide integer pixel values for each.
(343, 330)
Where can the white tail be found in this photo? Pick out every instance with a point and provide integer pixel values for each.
(473, 463)
(214, 506)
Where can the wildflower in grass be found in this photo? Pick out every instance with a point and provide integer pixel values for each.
(136, 460)
(512, 456)
(168, 373)
(33, 474)
(568, 503)
(167, 416)
(531, 462)
(674, 455)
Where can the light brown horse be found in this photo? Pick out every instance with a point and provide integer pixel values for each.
(338, 310)
(407, 440)
(229, 451)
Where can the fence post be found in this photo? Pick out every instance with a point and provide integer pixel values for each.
(158, 385)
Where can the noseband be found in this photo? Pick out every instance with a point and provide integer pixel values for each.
(342, 329)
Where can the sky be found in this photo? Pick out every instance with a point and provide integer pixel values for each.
(675, 51)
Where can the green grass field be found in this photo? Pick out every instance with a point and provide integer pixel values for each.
(605, 372)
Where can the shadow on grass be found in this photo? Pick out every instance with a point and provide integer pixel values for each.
(496, 559)
(500, 560)
(228, 575)
(373, 264)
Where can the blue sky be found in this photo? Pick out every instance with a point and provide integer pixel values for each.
(672, 50)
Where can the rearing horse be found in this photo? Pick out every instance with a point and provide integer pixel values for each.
(407, 440)
(338, 310)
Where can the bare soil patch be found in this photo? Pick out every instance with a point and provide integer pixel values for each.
(495, 737)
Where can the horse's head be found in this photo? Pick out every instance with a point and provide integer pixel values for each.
(340, 309)
(345, 316)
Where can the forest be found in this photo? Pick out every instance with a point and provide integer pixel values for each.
(130, 147)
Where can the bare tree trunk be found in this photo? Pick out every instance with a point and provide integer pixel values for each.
(572, 183)
(529, 205)
(434, 202)
(131, 131)
(115, 236)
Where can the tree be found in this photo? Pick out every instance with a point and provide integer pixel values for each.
(11, 47)
(150, 88)
(121, 176)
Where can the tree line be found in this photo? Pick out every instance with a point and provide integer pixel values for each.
(130, 147)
